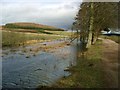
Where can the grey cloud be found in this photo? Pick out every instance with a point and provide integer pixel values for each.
(55, 14)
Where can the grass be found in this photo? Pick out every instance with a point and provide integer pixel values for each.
(87, 73)
(20, 34)
(63, 33)
(114, 38)
(12, 39)
(52, 47)
(17, 34)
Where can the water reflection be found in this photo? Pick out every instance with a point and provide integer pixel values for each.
(43, 69)
(81, 49)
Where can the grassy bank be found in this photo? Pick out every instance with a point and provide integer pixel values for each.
(87, 73)
(12, 39)
(114, 38)
(19, 34)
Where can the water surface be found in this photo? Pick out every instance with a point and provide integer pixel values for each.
(44, 68)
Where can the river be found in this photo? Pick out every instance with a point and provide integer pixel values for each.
(45, 68)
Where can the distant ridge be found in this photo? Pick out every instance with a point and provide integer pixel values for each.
(28, 25)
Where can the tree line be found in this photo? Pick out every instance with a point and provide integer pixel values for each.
(92, 18)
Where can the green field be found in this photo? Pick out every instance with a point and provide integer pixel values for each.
(10, 39)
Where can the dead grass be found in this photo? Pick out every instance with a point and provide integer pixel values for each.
(87, 73)
(52, 47)
(98, 68)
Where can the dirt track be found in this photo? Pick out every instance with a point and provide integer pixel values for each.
(110, 63)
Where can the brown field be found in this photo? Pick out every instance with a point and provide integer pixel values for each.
(27, 25)
(31, 24)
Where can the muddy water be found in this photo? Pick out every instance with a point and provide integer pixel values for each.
(44, 68)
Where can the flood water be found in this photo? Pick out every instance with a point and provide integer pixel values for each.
(45, 68)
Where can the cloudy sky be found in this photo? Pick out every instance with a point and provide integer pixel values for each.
(59, 13)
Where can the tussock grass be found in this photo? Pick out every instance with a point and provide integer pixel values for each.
(12, 39)
(87, 73)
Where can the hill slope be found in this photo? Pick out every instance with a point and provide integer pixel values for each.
(27, 25)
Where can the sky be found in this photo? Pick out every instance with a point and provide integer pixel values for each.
(58, 13)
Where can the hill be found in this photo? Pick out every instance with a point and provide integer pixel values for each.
(33, 26)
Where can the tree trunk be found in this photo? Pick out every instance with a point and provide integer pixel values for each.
(94, 39)
(95, 36)
(89, 42)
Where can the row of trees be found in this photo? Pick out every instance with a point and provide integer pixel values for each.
(93, 17)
